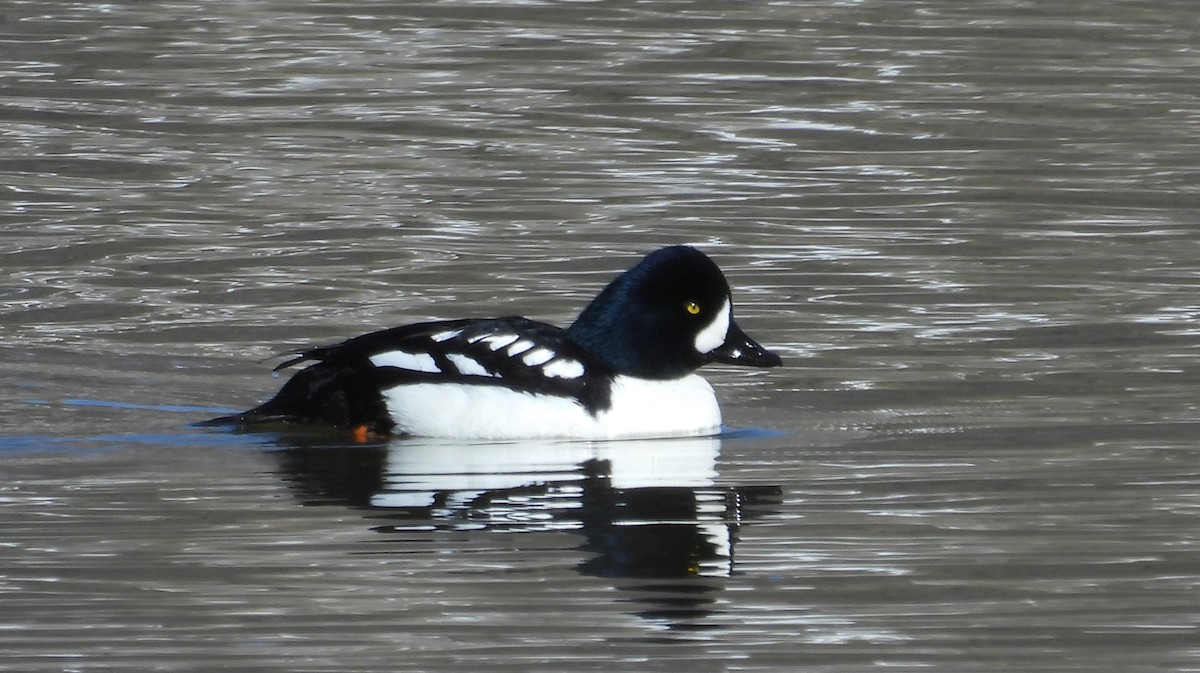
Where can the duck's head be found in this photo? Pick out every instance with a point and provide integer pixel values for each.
(666, 317)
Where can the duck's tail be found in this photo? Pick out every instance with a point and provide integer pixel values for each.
(326, 394)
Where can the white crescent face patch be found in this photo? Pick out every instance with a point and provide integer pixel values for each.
(713, 335)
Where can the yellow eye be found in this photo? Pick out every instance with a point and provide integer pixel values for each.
(693, 307)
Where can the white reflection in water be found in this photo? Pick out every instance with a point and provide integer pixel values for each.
(646, 508)
(418, 469)
(632, 499)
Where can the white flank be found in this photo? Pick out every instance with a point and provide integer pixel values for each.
(417, 362)
(683, 407)
(563, 369)
(446, 336)
(713, 335)
(467, 365)
(537, 357)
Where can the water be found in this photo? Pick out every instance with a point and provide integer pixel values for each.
(969, 228)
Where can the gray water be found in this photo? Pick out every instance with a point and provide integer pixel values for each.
(970, 229)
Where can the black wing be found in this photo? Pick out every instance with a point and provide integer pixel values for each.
(345, 384)
(515, 352)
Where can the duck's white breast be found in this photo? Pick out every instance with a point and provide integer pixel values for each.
(640, 408)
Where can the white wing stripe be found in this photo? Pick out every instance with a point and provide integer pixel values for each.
(563, 369)
(494, 341)
(467, 365)
(519, 347)
(538, 356)
(447, 335)
(531, 354)
(417, 362)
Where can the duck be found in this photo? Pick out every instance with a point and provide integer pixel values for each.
(624, 369)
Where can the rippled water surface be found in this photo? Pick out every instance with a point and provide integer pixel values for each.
(970, 228)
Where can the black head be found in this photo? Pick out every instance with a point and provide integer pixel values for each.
(666, 317)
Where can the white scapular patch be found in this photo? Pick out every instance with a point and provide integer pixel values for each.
(467, 365)
(564, 369)
(538, 356)
(640, 408)
(494, 341)
(447, 335)
(417, 362)
(519, 347)
(713, 335)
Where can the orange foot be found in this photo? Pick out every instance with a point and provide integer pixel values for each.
(363, 433)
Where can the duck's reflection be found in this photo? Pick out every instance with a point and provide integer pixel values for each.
(647, 509)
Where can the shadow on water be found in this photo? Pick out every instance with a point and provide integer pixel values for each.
(652, 516)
